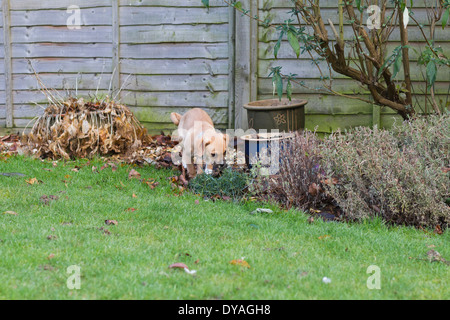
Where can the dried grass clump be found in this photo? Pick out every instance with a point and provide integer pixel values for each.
(75, 128)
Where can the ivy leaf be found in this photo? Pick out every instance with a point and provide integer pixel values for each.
(431, 73)
(205, 3)
(358, 4)
(238, 5)
(445, 17)
(293, 41)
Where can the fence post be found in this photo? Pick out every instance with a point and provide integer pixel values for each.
(115, 47)
(231, 66)
(8, 64)
(246, 60)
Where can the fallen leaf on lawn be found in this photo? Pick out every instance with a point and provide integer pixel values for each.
(433, 256)
(151, 183)
(178, 265)
(105, 231)
(438, 230)
(240, 262)
(324, 237)
(311, 220)
(52, 237)
(51, 256)
(431, 246)
(131, 209)
(32, 181)
(197, 202)
(47, 199)
(197, 261)
(226, 198)
(11, 213)
(134, 174)
(111, 222)
(134, 196)
(75, 170)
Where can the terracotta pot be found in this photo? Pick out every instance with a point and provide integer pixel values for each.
(271, 114)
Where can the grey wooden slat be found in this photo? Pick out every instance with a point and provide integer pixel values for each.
(174, 33)
(43, 5)
(176, 99)
(415, 35)
(172, 3)
(280, 15)
(89, 17)
(267, 4)
(177, 15)
(61, 34)
(63, 65)
(62, 81)
(309, 71)
(62, 50)
(174, 51)
(174, 66)
(175, 82)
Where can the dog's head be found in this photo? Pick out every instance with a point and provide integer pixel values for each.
(213, 145)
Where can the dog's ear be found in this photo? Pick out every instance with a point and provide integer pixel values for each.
(175, 117)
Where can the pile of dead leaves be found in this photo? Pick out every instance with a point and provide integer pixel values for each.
(9, 144)
(76, 128)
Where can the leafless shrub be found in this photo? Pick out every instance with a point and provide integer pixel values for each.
(298, 181)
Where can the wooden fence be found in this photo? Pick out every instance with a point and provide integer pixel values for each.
(168, 56)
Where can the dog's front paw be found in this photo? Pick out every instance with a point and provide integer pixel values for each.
(208, 171)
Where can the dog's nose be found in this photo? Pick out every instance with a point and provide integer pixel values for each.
(213, 154)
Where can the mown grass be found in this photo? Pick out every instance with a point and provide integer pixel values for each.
(288, 257)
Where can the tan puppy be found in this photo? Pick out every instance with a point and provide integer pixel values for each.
(201, 143)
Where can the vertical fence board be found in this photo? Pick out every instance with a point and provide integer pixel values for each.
(7, 63)
(115, 47)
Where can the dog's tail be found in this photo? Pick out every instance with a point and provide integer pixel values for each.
(175, 117)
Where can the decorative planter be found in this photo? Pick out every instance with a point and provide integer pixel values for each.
(272, 114)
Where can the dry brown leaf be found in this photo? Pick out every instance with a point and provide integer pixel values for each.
(134, 174)
(111, 222)
(32, 181)
(240, 262)
(178, 265)
(11, 213)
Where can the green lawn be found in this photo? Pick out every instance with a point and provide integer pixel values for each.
(288, 257)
